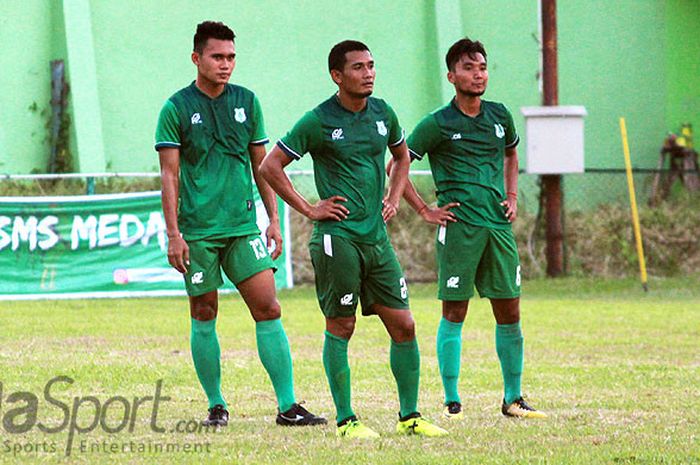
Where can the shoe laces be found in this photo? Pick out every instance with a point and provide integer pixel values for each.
(217, 410)
(297, 409)
(522, 404)
(350, 425)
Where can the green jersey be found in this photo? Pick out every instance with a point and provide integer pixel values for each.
(347, 150)
(213, 135)
(466, 158)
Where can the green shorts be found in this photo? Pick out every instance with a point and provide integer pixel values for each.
(470, 255)
(346, 269)
(240, 257)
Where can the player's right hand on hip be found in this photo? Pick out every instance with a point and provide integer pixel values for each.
(440, 215)
(329, 209)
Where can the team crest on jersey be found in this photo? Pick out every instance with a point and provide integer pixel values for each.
(381, 128)
(500, 132)
(196, 118)
(239, 114)
(337, 134)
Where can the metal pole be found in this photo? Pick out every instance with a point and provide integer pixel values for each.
(551, 183)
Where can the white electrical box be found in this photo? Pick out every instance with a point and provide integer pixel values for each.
(554, 139)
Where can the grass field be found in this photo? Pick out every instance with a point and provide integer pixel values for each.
(617, 370)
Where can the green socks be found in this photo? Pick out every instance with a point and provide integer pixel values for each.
(449, 355)
(206, 355)
(335, 362)
(405, 365)
(273, 349)
(509, 346)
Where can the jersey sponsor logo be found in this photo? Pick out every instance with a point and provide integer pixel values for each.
(196, 118)
(500, 132)
(239, 114)
(456, 136)
(453, 282)
(381, 128)
(198, 278)
(337, 134)
(346, 299)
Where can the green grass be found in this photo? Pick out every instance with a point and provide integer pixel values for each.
(618, 371)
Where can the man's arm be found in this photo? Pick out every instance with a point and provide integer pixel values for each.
(398, 178)
(272, 170)
(273, 233)
(436, 215)
(178, 251)
(510, 174)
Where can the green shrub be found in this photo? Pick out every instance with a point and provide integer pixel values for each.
(599, 242)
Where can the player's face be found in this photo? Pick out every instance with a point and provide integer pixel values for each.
(470, 75)
(216, 62)
(357, 77)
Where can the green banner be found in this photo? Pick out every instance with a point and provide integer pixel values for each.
(111, 245)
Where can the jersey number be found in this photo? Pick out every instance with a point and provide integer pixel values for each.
(258, 248)
(517, 276)
(404, 288)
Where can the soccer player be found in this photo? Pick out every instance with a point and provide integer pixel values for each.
(353, 260)
(470, 144)
(209, 136)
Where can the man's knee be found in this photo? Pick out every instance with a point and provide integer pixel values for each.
(342, 327)
(506, 311)
(405, 329)
(203, 308)
(267, 311)
(455, 311)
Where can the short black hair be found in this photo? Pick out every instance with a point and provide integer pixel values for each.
(211, 30)
(459, 48)
(336, 59)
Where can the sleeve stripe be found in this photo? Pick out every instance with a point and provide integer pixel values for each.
(514, 143)
(262, 141)
(166, 143)
(414, 155)
(286, 149)
(401, 139)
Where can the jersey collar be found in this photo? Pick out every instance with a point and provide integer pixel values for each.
(454, 105)
(200, 92)
(341, 107)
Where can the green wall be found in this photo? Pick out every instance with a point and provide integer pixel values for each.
(634, 58)
(282, 50)
(25, 76)
(683, 65)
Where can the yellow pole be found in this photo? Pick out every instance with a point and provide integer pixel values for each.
(633, 204)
